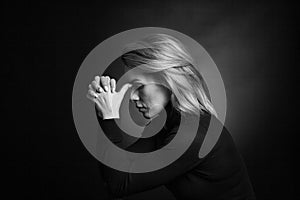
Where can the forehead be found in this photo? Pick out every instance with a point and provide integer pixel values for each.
(140, 75)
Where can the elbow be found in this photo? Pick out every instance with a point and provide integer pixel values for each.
(119, 185)
(118, 191)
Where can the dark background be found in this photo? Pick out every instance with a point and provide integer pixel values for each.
(253, 43)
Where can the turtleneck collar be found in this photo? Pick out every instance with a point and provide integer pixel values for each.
(173, 116)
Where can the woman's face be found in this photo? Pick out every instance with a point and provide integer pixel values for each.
(148, 93)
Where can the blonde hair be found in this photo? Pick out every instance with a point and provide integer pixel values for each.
(165, 54)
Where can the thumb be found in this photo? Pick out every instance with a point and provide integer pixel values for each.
(124, 88)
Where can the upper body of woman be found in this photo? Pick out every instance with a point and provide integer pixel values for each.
(161, 77)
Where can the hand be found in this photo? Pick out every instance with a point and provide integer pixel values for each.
(102, 91)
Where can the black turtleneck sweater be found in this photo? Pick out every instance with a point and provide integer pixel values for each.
(221, 174)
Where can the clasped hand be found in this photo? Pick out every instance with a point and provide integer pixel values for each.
(102, 91)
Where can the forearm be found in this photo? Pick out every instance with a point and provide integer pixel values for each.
(124, 183)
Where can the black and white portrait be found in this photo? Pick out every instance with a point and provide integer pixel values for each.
(146, 118)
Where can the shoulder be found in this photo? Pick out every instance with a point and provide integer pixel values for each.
(223, 151)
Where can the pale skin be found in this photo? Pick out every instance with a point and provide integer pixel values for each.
(102, 91)
(149, 96)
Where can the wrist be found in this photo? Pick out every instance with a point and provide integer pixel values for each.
(111, 116)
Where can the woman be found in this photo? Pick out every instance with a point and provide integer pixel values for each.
(163, 77)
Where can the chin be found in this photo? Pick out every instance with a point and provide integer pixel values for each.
(149, 115)
(146, 115)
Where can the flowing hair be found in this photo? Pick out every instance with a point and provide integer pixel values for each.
(165, 54)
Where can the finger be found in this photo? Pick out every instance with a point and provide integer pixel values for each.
(97, 79)
(97, 103)
(108, 83)
(104, 83)
(124, 88)
(113, 85)
(92, 94)
(97, 84)
(94, 85)
(99, 89)
(95, 100)
(91, 97)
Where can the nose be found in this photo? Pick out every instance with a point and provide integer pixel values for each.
(134, 96)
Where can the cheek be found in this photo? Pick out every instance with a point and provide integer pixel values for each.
(158, 101)
(155, 97)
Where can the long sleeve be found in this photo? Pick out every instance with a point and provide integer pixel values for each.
(221, 174)
(123, 184)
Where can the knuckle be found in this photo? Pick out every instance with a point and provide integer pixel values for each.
(103, 80)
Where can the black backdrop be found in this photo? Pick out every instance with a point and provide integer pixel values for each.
(253, 44)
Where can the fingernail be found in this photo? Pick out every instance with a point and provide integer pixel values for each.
(106, 88)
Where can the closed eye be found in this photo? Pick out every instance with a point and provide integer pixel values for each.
(139, 86)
